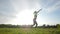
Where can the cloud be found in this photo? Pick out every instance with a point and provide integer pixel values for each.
(50, 5)
(53, 7)
(6, 11)
(25, 4)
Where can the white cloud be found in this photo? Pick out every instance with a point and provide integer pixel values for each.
(53, 8)
(6, 11)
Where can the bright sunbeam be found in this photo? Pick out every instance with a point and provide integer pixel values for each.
(24, 17)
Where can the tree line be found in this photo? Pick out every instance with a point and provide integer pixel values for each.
(19, 26)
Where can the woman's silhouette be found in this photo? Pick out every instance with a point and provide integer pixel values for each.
(35, 17)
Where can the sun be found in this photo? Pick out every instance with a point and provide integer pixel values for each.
(24, 17)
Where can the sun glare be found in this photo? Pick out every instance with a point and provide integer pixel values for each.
(24, 17)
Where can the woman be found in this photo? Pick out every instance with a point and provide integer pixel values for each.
(35, 17)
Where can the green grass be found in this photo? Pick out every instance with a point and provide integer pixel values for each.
(29, 30)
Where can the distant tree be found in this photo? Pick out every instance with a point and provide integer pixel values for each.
(58, 25)
(48, 26)
(9, 26)
(44, 25)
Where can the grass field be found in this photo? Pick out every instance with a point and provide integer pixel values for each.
(29, 30)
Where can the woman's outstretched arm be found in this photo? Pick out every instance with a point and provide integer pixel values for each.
(39, 10)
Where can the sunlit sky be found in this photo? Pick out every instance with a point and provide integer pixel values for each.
(21, 11)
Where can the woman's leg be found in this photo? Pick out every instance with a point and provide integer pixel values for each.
(36, 23)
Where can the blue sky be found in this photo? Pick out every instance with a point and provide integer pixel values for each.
(50, 13)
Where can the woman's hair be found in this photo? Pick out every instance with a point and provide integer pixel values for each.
(35, 11)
